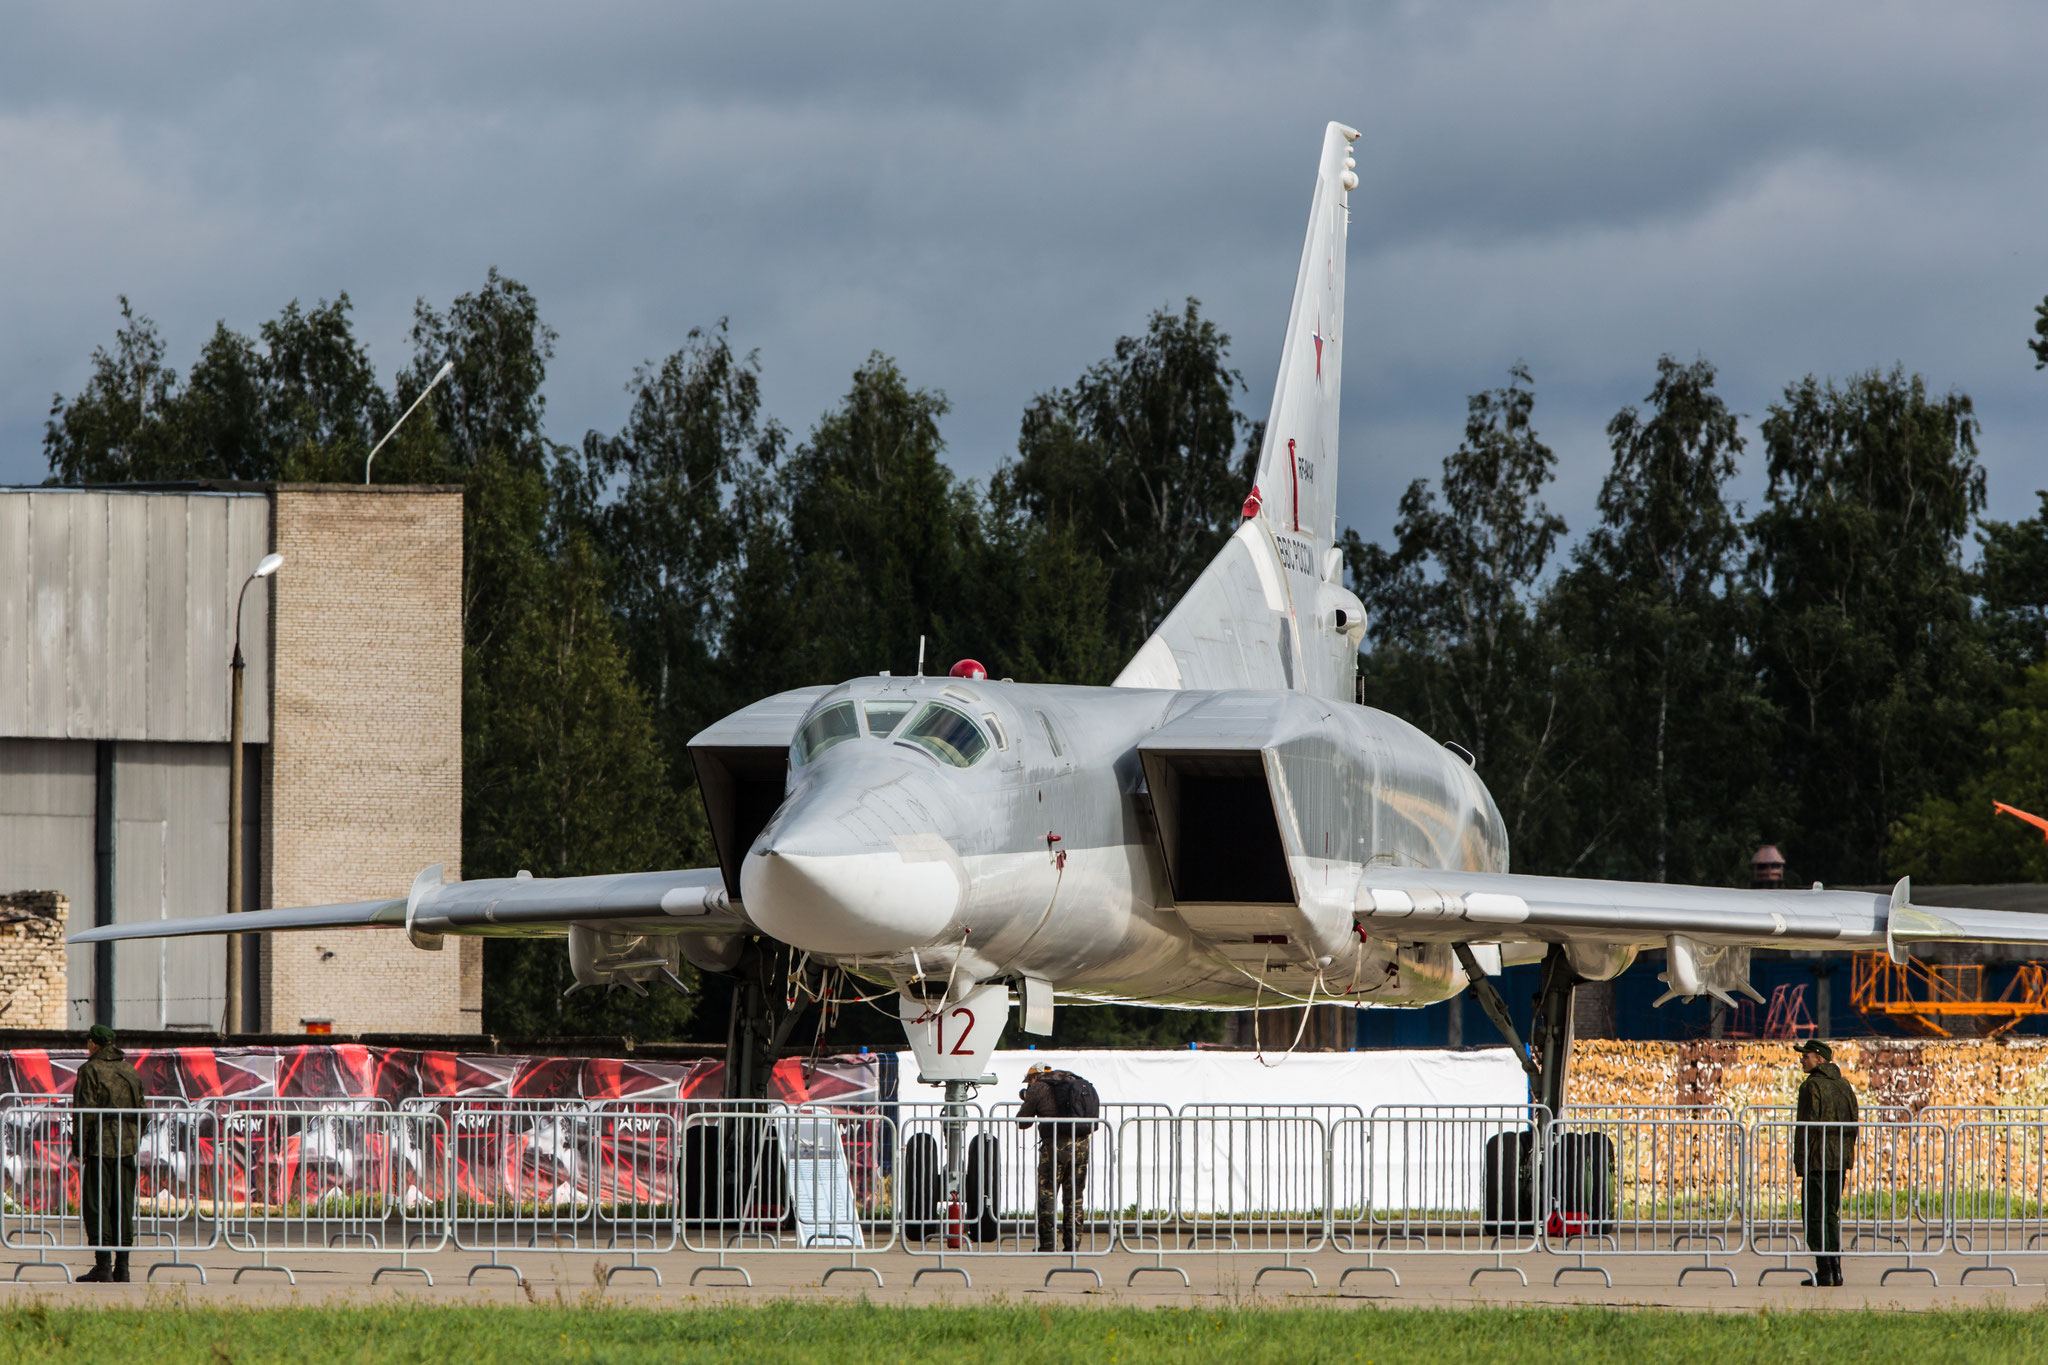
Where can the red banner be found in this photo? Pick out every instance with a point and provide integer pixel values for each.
(514, 1138)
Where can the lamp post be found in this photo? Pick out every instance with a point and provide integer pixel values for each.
(447, 368)
(232, 1023)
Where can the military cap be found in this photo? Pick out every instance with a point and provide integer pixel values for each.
(100, 1033)
(1827, 1054)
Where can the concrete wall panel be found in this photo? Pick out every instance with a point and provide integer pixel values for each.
(164, 587)
(170, 862)
(49, 678)
(127, 657)
(15, 581)
(116, 613)
(46, 822)
(209, 633)
(88, 688)
(248, 541)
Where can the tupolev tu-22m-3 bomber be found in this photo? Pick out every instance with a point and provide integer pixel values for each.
(1224, 826)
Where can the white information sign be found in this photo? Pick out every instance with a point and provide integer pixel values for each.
(820, 1183)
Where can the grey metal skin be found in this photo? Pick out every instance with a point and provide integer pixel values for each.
(1103, 920)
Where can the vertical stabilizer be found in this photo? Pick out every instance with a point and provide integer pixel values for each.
(1271, 611)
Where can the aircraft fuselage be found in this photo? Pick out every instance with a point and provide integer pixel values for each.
(937, 828)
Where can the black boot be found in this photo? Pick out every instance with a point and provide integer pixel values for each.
(1835, 1271)
(102, 1269)
(120, 1275)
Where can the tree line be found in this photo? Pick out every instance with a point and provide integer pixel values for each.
(1853, 669)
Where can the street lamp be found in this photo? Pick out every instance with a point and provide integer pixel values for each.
(265, 567)
(447, 368)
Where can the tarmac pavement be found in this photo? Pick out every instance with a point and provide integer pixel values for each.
(549, 1276)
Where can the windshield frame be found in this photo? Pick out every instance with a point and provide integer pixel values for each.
(800, 753)
(937, 748)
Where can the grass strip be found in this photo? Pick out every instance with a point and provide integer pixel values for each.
(868, 1334)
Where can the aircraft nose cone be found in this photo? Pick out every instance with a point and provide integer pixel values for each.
(853, 863)
(848, 902)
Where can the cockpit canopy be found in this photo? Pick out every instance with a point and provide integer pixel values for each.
(945, 732)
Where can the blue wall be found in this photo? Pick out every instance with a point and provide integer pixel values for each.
(1633, 1016)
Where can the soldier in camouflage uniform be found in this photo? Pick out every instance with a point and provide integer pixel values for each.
(1823, 1150)
(104, 1146)
(1062, 1154)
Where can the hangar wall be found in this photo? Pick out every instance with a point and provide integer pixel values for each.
(116, 629)
(365, 774)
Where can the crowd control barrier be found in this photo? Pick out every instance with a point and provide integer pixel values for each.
(1637, 1182)
(1232, 1182)
(1888, 1182)
(259, 1184)
(1998, 1189)
(1023, 1186)
(356, 1176)
(55, 1173)
(767, 1181)
(1438, 1180)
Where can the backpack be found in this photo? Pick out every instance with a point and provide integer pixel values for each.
(1075, 1094)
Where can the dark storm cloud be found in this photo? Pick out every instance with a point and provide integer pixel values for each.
(994, 195)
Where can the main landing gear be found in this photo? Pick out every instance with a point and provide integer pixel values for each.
(762, 1019)
(1576, 1200)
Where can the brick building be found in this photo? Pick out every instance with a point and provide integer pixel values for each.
(117, 624)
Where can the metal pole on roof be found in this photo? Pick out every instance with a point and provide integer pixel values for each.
(447, 368)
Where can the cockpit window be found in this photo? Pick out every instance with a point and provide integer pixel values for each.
(947, 735)
(834, 725)
(885, 716)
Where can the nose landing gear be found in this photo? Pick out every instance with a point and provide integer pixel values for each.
(952, 1039)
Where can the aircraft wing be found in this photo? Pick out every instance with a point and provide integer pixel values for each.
(1423, 903)
(691, 900)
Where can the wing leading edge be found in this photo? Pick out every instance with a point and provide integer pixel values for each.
(691, 900)
(1438, 905)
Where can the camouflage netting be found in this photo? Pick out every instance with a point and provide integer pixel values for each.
(1909, 1073)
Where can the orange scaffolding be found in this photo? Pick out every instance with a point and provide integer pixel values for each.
(1945, 1000)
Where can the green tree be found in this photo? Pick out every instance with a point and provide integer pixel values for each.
(299, 403)
(2012, 584)
(1459, 649)
(858, 548)
(563, 777)
(1145, 460)
(562, 772)
(2039, 345)
(1044, 604)
(1958, 838)
(668, 529)
(1867, 642)
(1672, 735)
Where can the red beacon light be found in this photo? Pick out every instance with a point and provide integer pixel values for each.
(967, 668)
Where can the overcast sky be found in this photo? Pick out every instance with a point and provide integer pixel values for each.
(993, 194)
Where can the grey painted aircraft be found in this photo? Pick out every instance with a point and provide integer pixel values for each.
(1223, 826)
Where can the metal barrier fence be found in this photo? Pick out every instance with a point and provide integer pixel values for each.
(1018, 1186)
(329, 1178)
(103, 1181)
(1243, 1183)
(794, 1179)
(1998, 1190)
(272, 1179)
(1642, 1182)
(1436, 1180)
(1869, 1189)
